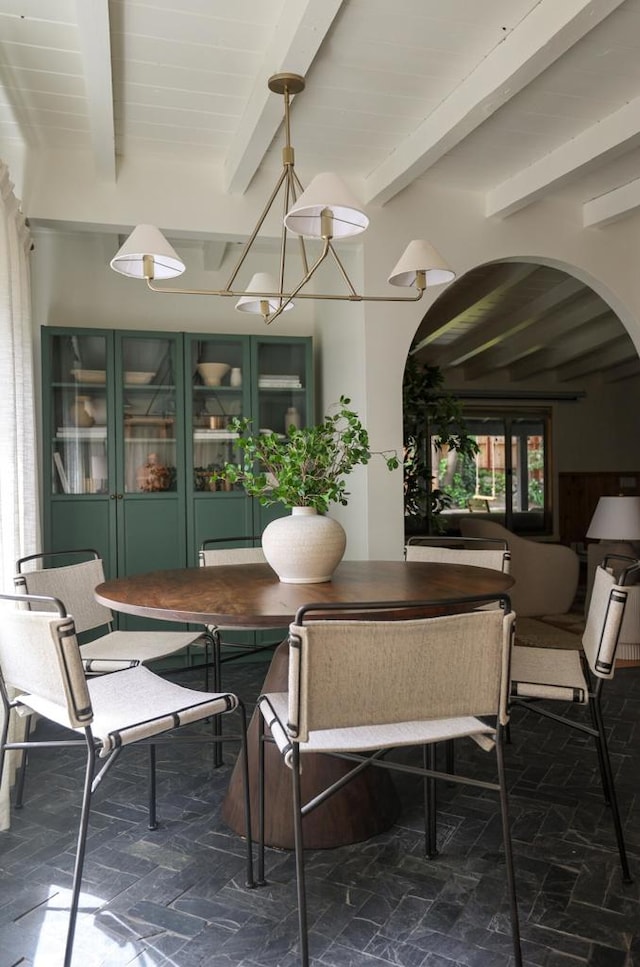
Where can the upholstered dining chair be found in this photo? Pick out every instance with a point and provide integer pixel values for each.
(72, 576)
(493, 554)
(41, 661)
(347, 698)
(215, 551)
(576, 675)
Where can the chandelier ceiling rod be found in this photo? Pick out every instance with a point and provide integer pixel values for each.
(325, 210)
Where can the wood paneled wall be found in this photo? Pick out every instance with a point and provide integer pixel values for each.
(578, 497)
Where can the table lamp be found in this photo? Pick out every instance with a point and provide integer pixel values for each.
(616, 519)
(616, 524)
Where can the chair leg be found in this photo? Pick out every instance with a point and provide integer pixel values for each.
(250, 882)
(261, 817)
(606, 789)
(80, 849)
(217, 686)
(22, 770)
(508, 850)
(430, 805)
(299, 850)
(153, 821)
(450, 756)
(608, 783)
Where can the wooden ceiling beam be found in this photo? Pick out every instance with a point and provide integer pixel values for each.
(549, 30)
(610, 137)
(95, 42)
(487, 335)
(554, 327)
(298, 36)
(469, 293)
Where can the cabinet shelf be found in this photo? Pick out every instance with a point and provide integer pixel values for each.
(65, 433)
(212, 436)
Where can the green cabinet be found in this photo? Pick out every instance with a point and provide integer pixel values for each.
(134, 423)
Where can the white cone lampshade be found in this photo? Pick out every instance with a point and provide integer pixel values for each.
(147, 240)
(326, 191)
(261, 282)
(616, 519)
(421, 256)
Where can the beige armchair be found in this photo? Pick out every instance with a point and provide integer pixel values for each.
(546, 575)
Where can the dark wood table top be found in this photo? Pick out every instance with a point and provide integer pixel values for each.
(251, 596)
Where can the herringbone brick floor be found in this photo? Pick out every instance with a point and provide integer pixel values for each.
(175, 897)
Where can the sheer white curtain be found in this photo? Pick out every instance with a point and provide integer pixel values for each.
(19, 521)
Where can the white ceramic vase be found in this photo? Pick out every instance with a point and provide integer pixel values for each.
(304, 548)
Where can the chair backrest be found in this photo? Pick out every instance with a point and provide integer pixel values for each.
(604, 622)
(73, 584)
(39, 655)
(493, 554)
(212, 553)
(370, 672)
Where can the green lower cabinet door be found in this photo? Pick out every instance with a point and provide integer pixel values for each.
(222, 515)
(83, 523)
(151, 537)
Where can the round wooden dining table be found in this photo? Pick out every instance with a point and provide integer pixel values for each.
(250, 596)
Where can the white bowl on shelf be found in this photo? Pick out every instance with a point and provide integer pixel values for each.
(138, 379)
(212, 373)
(89, 375)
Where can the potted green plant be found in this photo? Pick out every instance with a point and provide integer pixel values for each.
(304, 469)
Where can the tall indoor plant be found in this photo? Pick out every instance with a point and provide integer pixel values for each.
(305, 470)
(431, 416)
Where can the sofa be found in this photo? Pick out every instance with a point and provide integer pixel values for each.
(546, 575)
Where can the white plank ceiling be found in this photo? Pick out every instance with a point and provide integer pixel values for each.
(511, 98)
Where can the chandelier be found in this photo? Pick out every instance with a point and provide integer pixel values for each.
(326, 210)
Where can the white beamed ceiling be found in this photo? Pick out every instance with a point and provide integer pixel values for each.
(506, 97)
(514, 99)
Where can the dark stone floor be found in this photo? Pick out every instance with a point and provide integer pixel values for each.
(175, 897)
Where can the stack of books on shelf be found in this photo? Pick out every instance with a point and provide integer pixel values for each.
(279, 382)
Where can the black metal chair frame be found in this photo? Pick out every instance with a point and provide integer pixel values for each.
(597, 728)
(92, 779)
(363, 761)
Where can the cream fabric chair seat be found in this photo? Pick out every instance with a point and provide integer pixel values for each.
(370, 737)
(117, 720)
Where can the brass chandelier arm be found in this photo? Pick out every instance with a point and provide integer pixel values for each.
(247, 245)
(335, 297)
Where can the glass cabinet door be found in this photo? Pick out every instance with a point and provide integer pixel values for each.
(220, 391)
(148, 380)
(78, 414)
(283, 380)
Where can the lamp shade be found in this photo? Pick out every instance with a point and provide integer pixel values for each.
(421, 256)
(616, 519)
(261, 282)
(147, 240)
(326, 191)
